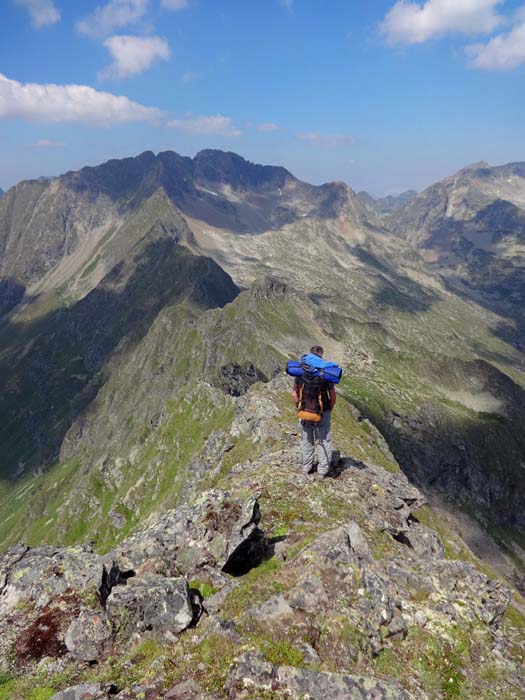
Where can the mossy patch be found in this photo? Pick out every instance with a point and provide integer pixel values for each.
(205, 589)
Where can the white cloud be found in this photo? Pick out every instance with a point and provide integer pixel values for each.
(115, 14)
(42, 12)
(133, 55)
(218, 124)
(47, 143)
(502, 52)
(69, 103)
(174, 4)
(268, 127)
(327, 140)
(288, 4)
(413, 23)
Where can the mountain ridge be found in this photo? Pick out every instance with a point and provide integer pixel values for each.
(149, 308)
(94, 199)
(371, 299)
(469, 227)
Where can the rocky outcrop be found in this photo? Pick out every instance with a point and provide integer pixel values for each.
(37, 576)
(74, 600)
(215, 531)
(150, 603)
(358, 578)
(236, 380)
(251, 674)
(87, 691)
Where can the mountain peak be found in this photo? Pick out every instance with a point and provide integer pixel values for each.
(214, 165)
(480, 165)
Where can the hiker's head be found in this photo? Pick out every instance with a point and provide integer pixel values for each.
(317, 350)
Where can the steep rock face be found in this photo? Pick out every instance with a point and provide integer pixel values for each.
(470, 227)
(213, 166)
(481, 462)
(54, 233)
(40, 223)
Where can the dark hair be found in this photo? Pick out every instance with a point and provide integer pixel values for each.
(317, 350)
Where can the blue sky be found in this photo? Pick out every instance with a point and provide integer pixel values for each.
(384, 95)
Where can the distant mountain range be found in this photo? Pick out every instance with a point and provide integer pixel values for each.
(384, 206)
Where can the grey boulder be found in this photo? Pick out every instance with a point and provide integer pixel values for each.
(89, 635)
(150, 603)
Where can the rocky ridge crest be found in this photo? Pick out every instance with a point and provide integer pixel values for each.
(271, 585)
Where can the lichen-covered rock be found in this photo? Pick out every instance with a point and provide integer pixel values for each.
(424, 541)
(397, 627)
(38, 575)
(461, 581)
(187, 690)
(357, 542)
(150, 603)
(87, 691)
(140, 692)
(251, 674)
(273, 609)
(89, 636)
(363, 591)
(208, 532)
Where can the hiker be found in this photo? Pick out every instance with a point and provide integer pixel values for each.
(323, 394)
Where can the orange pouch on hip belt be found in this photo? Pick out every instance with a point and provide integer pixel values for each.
(309, 417)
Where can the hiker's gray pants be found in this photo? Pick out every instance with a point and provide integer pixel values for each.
(322, 432)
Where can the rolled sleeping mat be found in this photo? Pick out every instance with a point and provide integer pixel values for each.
(330, 374)
(294, 369)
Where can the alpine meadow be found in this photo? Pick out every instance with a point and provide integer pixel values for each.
(261, 430)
